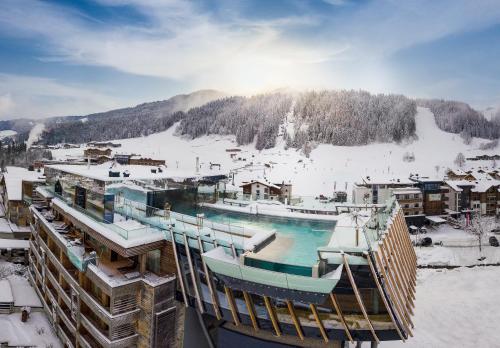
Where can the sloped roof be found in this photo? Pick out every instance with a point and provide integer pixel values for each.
(262, 182)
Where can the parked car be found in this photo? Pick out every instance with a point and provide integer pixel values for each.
(496, 230)
(494, 241)
(424, 242)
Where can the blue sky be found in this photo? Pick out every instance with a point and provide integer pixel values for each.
(70, 57)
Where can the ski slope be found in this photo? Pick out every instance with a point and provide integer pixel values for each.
(328, 167)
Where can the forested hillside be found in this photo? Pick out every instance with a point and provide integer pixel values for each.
(331, 117)
(256, 118)
(137, 121)
(460, 118)
(353, 118)
(302, 118)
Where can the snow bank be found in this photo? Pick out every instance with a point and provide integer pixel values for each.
(455, 308)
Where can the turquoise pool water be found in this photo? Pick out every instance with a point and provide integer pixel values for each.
(297, 240)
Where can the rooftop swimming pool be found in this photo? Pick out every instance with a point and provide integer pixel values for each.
(296, 240)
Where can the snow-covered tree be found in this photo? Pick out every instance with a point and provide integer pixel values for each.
(460, 160)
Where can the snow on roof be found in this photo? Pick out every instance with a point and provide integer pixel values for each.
(23, 292)
(106, 229)
(458, 184)
(262, 182)
(386, 180)
(406, 190)
(14, 177)
(14, 244)
(484, 185)
(5, 291)
(101, 172)
(435, 219)
(458, 171)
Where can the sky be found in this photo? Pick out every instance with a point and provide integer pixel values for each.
(73, 57)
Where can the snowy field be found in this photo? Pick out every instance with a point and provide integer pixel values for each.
(328, 166)
(36, 332)
(455, 308)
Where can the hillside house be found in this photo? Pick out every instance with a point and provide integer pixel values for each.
(262, 189)
(95, 152)
(103, 144)
(138, 160)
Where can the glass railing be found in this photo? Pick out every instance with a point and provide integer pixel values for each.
(130, 232)
(378, 222)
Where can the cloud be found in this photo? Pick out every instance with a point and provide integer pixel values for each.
(383, 27)
(6, 104)
(36, 97)
(230, 51)
(179, 42)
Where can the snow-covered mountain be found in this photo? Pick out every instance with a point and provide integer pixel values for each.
(328, 167)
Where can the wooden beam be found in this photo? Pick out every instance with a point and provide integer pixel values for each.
(358, 297)
(403, 247)
(213, 295)
(407, 247)
(251, 310)
(397, 273)
(390, 272)
(336, 305)
(403, 254)
(295, 320)
(392, 291)
(193, 275)
(382, 295)
(407, 237)
(405, 281)
(177, 265)
(272, 316)
(318, 321)
(232, 305)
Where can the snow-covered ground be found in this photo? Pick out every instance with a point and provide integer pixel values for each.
(37, 331)
(328, 166)
(455, 308)
(459, 248)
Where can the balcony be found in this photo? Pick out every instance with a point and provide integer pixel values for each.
(101, 335)
(83, 341)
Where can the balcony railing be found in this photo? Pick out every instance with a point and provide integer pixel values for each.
(105, 341)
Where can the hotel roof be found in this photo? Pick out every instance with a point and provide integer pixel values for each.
(101, 172)
(14, 177)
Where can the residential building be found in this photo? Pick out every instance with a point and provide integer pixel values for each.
(16, 189)
(372, 190)
(410, 199)
(92, 152)
(143, 161)
(263, 189)
(432, 193)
